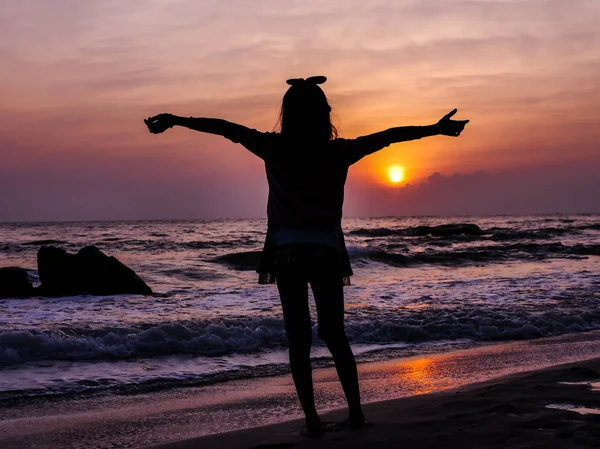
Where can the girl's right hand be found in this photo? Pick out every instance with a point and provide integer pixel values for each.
(160, 123)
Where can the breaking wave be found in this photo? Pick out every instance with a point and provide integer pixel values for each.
(470, 231)
(248, 260)
(252, 335)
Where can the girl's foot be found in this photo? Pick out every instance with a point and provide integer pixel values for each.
(358, 421)
(309, 432)
(314, 431)
(314, 428)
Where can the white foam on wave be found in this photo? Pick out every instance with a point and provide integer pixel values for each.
(252, 335)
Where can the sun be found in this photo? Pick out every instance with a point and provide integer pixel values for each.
(396, 174)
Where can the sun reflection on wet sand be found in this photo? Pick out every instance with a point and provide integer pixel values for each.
(418, 371)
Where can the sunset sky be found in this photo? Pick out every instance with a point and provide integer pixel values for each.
(77, 78)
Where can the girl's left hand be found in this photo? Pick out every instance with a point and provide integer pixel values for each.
(449, 127)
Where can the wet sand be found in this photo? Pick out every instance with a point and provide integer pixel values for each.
(509, 412)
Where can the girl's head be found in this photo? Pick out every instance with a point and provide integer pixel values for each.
(305, 112)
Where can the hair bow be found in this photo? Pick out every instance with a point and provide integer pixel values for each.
(312, 80)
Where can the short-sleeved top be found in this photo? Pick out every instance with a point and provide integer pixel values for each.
(306, 180)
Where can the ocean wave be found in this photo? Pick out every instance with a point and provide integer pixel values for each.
(434, 236)
(156, 379)
(248, 260)
(519, 251)
(251, 335)
(44, 242)
(123, 244)
(209, 338)
(593, 226)
(500, 234)
(148, 385)
(471, 231)
(187, 274)
(444, 230)
(219, 244)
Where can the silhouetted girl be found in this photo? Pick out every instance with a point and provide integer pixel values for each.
(306, 166)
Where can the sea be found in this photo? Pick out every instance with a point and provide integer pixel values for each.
(521, 278)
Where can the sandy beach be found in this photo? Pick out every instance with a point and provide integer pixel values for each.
(483, 396)
(527, 410)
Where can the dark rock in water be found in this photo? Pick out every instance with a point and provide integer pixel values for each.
(243, 261)
(14, 283)
(447, 230)
(90, 271)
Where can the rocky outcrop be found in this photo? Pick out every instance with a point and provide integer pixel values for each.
(90, 271)
(14, 283)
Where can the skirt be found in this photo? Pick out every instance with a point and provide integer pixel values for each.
(307, 260)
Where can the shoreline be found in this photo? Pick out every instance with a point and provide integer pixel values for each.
(147, 419)
(509, 411)
(272, 364)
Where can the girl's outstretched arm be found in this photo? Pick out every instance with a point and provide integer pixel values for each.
(161, 122)
(257, 142)
(362, 146)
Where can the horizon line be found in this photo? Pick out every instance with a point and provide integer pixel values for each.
(133, 220)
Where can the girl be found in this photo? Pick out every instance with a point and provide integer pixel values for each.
(306, 166)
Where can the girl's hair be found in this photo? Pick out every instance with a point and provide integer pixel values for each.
(305, 112)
